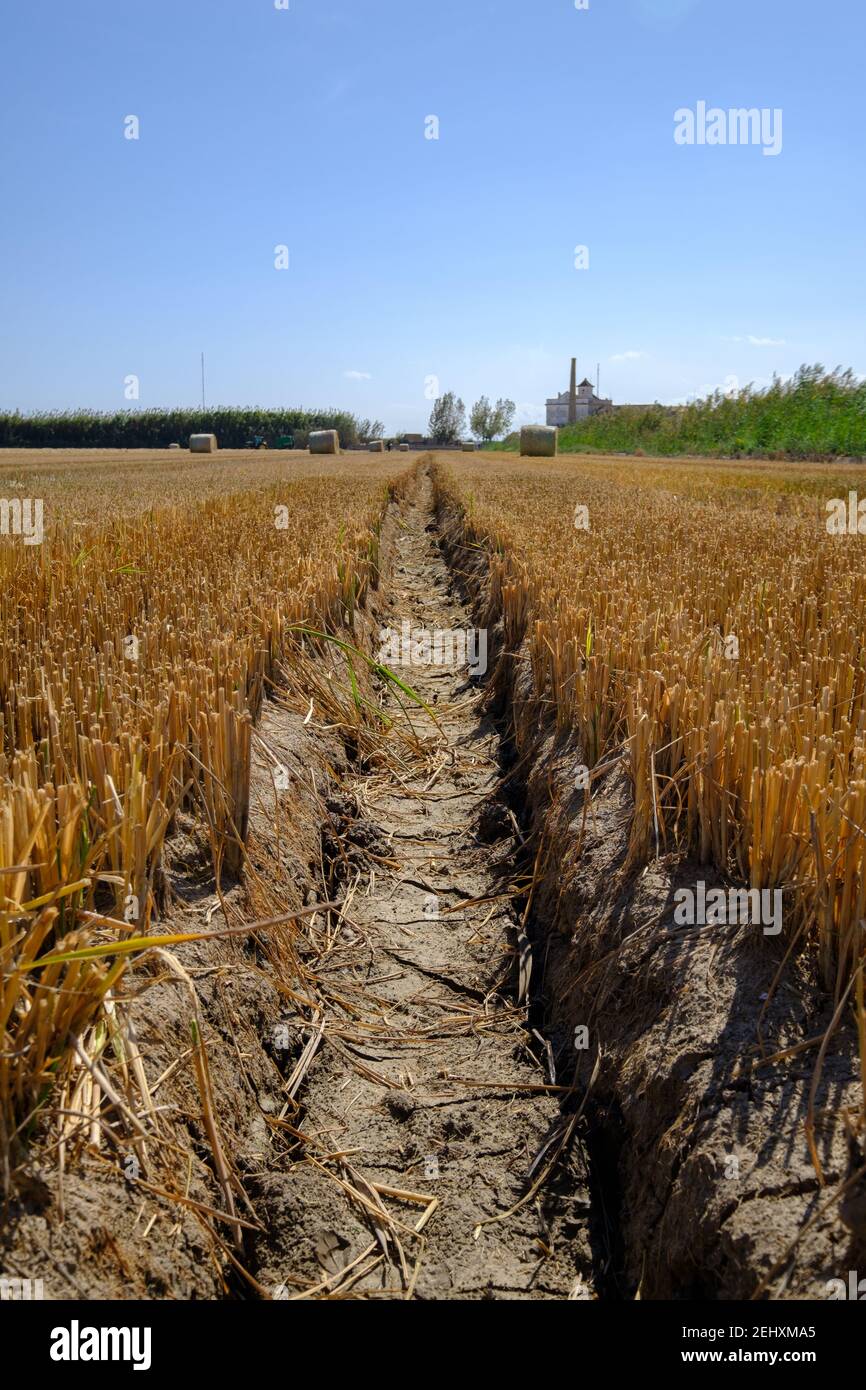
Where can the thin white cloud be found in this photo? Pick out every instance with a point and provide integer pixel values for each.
(358, 376)
(731, 386)
(632, 355)
(754, 341)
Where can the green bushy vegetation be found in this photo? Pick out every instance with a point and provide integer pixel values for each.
(156, 429)
(816, 414)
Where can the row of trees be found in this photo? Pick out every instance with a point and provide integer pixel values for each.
(486, 421)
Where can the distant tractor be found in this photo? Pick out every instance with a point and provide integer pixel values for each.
(260, 441)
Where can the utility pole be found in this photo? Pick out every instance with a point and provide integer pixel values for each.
(572, 394)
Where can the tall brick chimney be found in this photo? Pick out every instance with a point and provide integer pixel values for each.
(572, 394)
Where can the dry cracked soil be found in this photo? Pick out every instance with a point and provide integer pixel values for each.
(437, 1088)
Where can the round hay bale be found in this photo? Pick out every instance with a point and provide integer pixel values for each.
(324, 442)
(404, 448)
(469, 447)
(174, 446)
(202, 443)
(376, 446)
(538, 441)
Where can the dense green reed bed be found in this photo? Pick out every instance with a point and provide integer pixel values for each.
(156, 429)
(817, 414)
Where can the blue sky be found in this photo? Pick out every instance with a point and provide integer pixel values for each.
(412, 258)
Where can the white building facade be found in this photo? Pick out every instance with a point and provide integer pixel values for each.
(588, 403)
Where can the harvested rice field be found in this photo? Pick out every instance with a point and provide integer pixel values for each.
(431, 877)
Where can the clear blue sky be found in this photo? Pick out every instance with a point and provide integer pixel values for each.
(410, 257)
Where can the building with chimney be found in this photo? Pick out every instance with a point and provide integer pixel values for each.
(578, 402)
